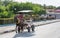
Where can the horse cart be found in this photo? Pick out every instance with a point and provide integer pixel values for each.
(27, 21)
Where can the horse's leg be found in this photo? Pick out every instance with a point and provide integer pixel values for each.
(22, 29)
(18, 29)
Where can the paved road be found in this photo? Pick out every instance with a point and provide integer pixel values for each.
(10, 27)
(46, 31)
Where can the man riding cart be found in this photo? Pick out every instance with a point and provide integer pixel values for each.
(21, 22)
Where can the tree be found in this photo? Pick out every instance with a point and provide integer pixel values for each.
(39, 9)
(51, 7)
(58, 7)
(9, 8)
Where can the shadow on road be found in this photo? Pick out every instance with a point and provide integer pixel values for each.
(24, 34)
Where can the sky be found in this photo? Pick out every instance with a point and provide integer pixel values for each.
(42, 2)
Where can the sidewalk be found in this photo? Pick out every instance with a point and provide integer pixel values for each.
(11, 28)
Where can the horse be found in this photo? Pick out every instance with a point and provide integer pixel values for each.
(20, 26)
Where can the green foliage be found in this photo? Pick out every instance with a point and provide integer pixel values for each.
(42, 12)
(2, 8)
(8, 9)
(51, 7)
(58, 7)
(39, 10)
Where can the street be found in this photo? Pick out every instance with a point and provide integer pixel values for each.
(46, 31)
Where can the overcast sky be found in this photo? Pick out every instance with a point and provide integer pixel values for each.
(47, 2)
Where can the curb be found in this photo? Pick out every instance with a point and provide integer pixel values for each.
(47, 23)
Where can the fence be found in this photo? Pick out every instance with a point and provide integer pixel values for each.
(6, 20)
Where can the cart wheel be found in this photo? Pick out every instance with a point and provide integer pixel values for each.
(18, 29)
(28, 29)
(33, 27)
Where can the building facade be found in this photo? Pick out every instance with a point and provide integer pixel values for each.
(54, 12)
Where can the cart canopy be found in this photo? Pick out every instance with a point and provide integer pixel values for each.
(25, 11)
